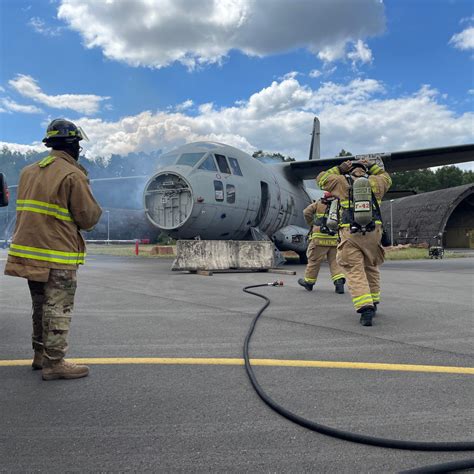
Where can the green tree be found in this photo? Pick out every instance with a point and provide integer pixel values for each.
(448, 177)
(344, 153)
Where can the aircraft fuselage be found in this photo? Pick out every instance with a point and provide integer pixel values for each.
(214, 191)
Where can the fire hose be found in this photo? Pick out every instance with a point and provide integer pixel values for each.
(346, 435)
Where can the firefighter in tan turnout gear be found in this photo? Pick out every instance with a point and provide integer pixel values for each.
(54, 202)
(322, 245)
(359, 186)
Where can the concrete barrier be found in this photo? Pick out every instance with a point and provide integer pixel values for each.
(196, 255)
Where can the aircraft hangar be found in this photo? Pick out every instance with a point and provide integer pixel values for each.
(446, 213)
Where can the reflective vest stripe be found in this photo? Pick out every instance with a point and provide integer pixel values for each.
(325, 176)
(41, 207)
(320, 235)
(46, 255)
(362, 300)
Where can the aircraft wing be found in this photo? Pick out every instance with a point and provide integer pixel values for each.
(397, 161)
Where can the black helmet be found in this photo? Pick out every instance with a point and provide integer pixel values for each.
(63, 131)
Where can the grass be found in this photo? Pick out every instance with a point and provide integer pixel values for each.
(129, 251)
(123, 250)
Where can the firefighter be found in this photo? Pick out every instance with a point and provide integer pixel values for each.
(322, 245)
(359, 252)
(54, 202)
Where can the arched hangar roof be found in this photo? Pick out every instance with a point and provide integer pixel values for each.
(421, 217)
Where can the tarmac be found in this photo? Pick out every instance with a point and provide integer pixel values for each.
(167, 391)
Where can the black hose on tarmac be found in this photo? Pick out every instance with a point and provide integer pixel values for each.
(346, 435)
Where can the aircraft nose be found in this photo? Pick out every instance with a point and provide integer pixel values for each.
(168, 200)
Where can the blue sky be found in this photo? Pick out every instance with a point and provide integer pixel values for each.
(151, 75)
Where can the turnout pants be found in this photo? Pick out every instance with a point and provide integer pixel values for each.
(53, 303)
(360, 256)
(316, 255)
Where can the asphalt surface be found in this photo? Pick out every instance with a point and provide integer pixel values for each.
(207, 418)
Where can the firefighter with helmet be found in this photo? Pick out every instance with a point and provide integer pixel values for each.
(54, 203)
(360, 186)
(322, 245)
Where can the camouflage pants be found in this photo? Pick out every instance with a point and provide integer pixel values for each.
(53, 303)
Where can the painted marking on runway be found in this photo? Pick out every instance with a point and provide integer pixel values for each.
(323, 364)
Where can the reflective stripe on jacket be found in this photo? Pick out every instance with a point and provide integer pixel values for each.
(332, 181)
(313, 215)
(54, 202)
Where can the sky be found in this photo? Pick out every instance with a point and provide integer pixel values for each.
(150, 75)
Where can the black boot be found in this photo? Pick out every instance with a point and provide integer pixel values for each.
(305, 284)
(339, 284)
(375, 308)
(366, 316)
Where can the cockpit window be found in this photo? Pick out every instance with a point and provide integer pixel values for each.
(209, 164)
(166, 160)
(234, 164)
(222, 164)
(189, 159)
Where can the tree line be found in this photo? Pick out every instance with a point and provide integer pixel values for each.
(143, 164)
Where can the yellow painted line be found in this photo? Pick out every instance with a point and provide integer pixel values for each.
(262, 362)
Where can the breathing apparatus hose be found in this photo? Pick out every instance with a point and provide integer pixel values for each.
(346, 435)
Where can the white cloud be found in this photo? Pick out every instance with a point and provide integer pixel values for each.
(359, 116)
(42, 28)
(83, 103)
(333, 53)
(325, 72)
(23, 148)
(194, 33)
(463, 40)
(184, 105)
(11, 106)
(361, 53)
(314, 73)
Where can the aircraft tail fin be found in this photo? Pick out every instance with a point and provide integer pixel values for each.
(314, 149)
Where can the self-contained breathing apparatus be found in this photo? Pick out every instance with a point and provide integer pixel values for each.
(326, 222)
(363, 210)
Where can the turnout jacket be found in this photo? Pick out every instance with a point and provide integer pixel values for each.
(337, 184)
(313, 215)
(54, 202)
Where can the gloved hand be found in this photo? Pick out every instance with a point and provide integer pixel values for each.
(345, 167)
(377, 160)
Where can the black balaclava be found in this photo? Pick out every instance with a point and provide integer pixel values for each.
(73, 149)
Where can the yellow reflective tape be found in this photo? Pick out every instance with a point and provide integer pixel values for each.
(42, 203)
(43, 211)
(320, 235)
(46, 161)
(310, 280)
(47, 251)
(320, 215)
(51, 133)
(46, 259)
(338, 276)
(357, 298)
